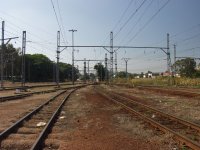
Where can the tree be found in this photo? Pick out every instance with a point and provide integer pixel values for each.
(39, 68)
(100, 71)
(11, 59)
(186, 67)
(66, 72)
(141, 75)
(121, 74)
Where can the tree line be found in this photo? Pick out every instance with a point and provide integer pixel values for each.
(187, 67)
(38, 67)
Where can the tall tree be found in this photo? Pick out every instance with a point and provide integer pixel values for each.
(100, 71)
(11, 60)
(186, 67)
(121, 74)
(38, 68)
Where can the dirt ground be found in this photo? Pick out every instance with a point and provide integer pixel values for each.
(17, 84)
(10, 111)
(89, 121)
(182, 107)
(35, 89)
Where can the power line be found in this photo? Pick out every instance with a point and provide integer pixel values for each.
(189, 38)
(123, 14)
(189, 29)
(129, 32)
(119, 21)
(179, 33)
(132, 15)
(57, 20)
(61, 20)
(140, 30)
(21, 20)
(14, 26)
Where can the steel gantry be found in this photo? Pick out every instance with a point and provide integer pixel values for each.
(111, 49)
(126, 61)
(88, 61)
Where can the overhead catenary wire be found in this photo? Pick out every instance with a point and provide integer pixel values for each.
(14, 26)
(189, 38)
(24, 22)
(61, 19)
(130, 17)
(123, 14)
(30, 35)
(149, 21)
(145, 11)
(57, 20)
(119, 21)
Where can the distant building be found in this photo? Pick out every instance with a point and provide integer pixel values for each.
(166, 74)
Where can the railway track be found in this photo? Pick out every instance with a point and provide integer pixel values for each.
(184, 132)
(176, 92)
(34, 86)
(189, 93)
(19, 96)
(30, 131)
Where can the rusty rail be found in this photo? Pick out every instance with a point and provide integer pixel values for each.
(183, 140)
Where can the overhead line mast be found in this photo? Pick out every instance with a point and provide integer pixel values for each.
(111, 50)
(58, 57)
(2, 52)
(72, 30)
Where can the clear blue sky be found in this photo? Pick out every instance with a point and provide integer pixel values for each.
(95, 19)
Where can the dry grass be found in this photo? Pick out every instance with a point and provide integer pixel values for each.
(137, 129)
(185, 108)
(162, 81)
(132, 126)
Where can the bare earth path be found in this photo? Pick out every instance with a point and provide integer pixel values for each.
(90, 122)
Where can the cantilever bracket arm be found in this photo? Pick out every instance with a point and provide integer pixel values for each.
(117, 49)
(163, 51)
(10, 39)
(63, 49)
(106, 49)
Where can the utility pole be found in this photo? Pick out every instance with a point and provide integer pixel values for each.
(89, 69)
(126, 61)
(106, 67)
(58, 57)
(84, 70)
(175, 59)
(72, 30)
(115, 63)
(111, 55)
(168, 55)
(2, 54)
(23, 57)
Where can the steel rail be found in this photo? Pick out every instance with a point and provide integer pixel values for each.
(33, 86)
(13, 97)
(187, 123)
(19, 122)
(37, 145)
(38, 142)
(182, 139)
(178, 92)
